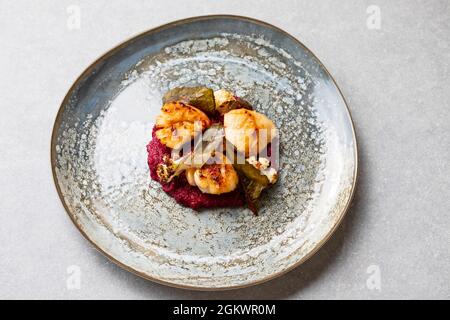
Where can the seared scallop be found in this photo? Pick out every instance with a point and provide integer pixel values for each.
(249, 131)
(213, 178)
(216, 178)
(178, 123)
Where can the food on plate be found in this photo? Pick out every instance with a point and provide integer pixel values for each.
(226, 101)
(175, 123)
(249, 131)
(211, 149)
(200, 97)
(216, 178)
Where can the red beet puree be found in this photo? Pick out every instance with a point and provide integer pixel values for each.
(181, 190)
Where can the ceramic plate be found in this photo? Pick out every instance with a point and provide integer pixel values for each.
(98, 154)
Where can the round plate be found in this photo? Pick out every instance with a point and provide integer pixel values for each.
(98, 154)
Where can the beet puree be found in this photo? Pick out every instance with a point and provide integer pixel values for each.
(181, 190)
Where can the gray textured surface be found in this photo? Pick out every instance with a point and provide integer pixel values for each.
(396, 81)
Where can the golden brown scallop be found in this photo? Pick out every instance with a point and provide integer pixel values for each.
(178, 122)
(248, 130)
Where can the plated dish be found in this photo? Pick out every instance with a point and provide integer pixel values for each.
(211, 149)
(100, 154)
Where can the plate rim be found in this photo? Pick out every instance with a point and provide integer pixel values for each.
(144, 275)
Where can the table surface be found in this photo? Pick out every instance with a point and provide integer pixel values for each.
(394, 241)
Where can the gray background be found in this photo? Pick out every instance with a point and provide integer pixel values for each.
(395, 80)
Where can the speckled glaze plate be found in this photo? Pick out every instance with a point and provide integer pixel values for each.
(98, 154)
